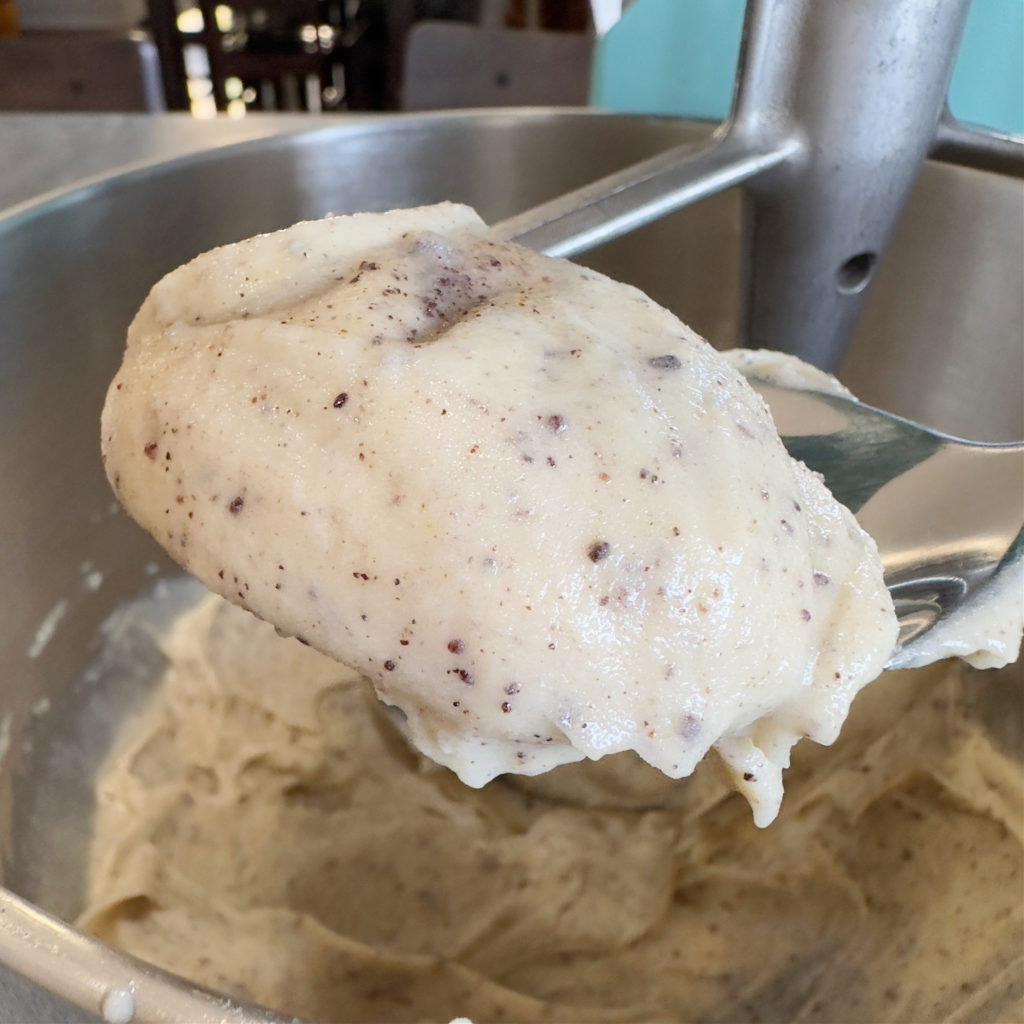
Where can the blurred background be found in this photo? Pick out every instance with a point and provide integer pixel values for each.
(322, 56)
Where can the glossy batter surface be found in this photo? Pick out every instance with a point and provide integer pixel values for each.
(264, 830)
(545, 519)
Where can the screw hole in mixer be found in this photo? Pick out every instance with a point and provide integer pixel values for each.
(853, 275)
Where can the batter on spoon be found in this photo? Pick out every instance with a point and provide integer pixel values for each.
(543, 517)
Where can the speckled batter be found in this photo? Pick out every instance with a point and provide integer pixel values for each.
(545, 519)
(264, 830)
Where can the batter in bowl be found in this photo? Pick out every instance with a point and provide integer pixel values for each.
(265, 830)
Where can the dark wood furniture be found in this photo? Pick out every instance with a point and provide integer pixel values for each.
(79, 71)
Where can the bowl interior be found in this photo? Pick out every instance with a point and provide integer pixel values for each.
(941, 342)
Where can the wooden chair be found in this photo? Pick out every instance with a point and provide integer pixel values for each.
(79, 71)
(265, 48)
(448, 64)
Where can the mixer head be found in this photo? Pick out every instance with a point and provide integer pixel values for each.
(836, 107)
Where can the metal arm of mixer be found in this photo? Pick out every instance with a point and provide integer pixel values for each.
(978, 148)
(643, 192)
(837, 104)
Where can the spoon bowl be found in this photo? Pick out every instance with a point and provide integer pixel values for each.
(946, 514)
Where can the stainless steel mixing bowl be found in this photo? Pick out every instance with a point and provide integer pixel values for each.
(942, 342)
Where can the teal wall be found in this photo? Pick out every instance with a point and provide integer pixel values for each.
(988, 83)
(679, 57)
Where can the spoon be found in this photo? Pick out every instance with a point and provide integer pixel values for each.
(947, 514)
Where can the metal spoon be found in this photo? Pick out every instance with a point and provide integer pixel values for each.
(947, 514)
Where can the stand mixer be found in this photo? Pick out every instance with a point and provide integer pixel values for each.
(837, 106)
